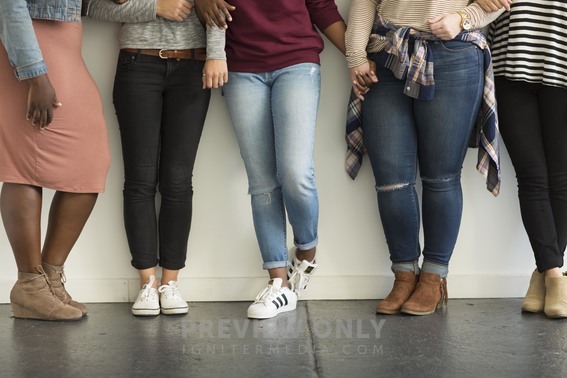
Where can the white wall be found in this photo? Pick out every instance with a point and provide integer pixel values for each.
(492, 258)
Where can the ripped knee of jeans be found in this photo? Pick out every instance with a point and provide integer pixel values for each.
(264, 197)
(441, 183)
(392, 187)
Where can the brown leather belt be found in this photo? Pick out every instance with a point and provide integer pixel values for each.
(197, 54)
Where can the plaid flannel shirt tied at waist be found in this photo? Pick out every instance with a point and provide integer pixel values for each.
(417, 71)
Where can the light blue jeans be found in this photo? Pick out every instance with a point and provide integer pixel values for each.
(274, 116)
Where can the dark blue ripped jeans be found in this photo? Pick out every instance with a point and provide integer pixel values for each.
(403, 135)
(161, 109)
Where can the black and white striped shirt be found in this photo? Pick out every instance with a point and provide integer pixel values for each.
(529, 43)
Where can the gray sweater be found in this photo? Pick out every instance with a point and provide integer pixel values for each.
(142, 29)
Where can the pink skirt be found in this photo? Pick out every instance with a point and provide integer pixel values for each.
(71, 154)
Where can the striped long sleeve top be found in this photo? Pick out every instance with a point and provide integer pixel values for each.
(410, 13)
(528, 43)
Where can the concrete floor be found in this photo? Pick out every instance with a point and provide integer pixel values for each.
(471, 338)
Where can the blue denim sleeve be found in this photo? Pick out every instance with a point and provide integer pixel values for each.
(19, 40)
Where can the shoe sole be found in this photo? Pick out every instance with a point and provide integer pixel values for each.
(175, 311)
(259, 317)
(417, 313)
(145, 312)
(388, 312)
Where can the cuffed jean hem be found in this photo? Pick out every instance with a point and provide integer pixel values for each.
(556, 262)
(141, 265)
(275, 264)
(171, 266)
(305, 247)
(435, 268)
(410, 266)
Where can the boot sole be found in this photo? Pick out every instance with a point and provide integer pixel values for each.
(20, 313)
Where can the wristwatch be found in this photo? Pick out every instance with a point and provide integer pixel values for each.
(466, 23)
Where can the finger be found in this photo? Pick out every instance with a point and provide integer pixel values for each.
(358, 94)
(43, 119)
(373, 77)
(49, 119)
(56, 103)
(218, 18)
(226, 13)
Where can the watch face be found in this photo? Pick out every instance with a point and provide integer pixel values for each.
(467, 24)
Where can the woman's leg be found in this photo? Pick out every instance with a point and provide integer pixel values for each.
(523, 134)
(443, 128)
(32, 295)
(138, 100)
(391, 141)
(295, 100)
(185, 106)
(249, 101)
(138, 97)
(20, 206)
(68, 215)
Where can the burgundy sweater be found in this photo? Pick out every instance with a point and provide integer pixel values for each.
(266, 35)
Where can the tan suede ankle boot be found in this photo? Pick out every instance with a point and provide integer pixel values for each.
(535, 297)
(404, 285)
(32, 298)
(556, 297)
(56, 276)
(429, 294)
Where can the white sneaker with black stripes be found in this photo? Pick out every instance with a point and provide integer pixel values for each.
(273, 300)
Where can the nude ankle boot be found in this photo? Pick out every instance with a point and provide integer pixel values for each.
(33, 298)
(556, 297)
(56, 276)
(404, 285)
(535, 297)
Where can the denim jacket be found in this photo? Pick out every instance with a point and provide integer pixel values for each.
(18, 36)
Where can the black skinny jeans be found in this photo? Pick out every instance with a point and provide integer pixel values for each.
(161, 109)
(533, 123)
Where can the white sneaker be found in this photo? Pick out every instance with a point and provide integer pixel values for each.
(273, 300)
(147, 303)
(170, 299)
(299, 274)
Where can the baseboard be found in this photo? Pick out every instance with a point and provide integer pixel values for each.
(320, 288)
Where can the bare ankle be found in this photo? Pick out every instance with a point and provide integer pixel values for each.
(308, 254)
(553, 272)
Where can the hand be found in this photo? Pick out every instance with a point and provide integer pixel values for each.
(362, 78)
(494, 5)
(446, 27)
(173, 10)
(215, 73)
(214, 12)
(41, 101)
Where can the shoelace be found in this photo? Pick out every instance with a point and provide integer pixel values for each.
(146, 292)
(303, 277)
(267, 295)
(170, 289)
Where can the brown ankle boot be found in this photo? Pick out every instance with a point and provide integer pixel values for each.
(404, 285)
(33, 298)
(56, 276)
(556, 297)
(535, 297)
(429, 294)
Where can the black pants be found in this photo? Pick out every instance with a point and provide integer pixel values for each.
(161, 109)
(533, 123)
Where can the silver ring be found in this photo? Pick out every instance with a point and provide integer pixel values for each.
(204, 75)
(221, 83)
